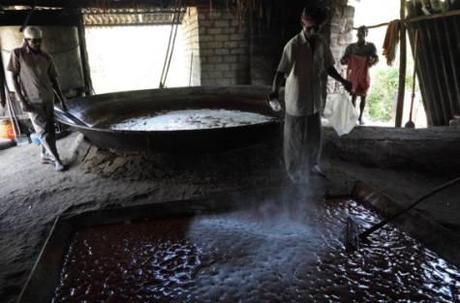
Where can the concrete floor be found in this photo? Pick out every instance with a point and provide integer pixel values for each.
(32, 194)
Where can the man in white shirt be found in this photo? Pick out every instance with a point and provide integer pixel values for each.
(306, 61)
(35, 80)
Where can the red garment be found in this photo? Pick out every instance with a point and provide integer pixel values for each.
(358, 74)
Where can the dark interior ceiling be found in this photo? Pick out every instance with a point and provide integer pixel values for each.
(126, 12)
(105, 4)
(100, 12)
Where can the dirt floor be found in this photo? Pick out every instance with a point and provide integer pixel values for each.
(33, 194)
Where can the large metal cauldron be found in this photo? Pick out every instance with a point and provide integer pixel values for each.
(95, 111)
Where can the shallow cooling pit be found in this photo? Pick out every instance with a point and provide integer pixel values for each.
(176, 119)
(266, 246)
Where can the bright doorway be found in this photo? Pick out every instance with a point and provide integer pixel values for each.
(123, 58)
(381, 101)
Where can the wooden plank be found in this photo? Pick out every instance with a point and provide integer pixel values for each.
(109, 4)
(402, 68)
(451, 63)
(426, 67)
(425, 74)
(430, 77)
(455, 33)
(452, 13)
(447, 76)
(44, 18)
(420, 75)
(438, 86)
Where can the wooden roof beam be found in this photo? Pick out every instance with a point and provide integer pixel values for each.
(107, 4)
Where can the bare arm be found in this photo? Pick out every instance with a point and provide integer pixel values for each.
(277, 81)
(346, 55)
(25, 104)
(54, 82)
(14, 67)
(59, 93)
(283, 68)
(17, 88)
(332, 72)
(373, 58)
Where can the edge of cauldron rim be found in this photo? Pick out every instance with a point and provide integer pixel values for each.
(197, 89)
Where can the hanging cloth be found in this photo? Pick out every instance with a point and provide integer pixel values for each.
(391, 41)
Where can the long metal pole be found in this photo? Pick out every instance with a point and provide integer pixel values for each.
(370, 230)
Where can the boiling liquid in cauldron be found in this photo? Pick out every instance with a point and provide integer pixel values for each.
(190, 119)
(269, 254)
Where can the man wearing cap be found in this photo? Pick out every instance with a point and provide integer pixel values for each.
(306, 62)
(35, 80)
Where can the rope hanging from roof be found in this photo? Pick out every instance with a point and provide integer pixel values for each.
(171, 43)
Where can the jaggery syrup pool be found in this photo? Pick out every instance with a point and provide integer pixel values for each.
(188, 119)
(272, 253)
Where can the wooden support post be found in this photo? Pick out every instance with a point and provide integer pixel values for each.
(2, 82)
(251, 37)
(402, 67)
(84, 57)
